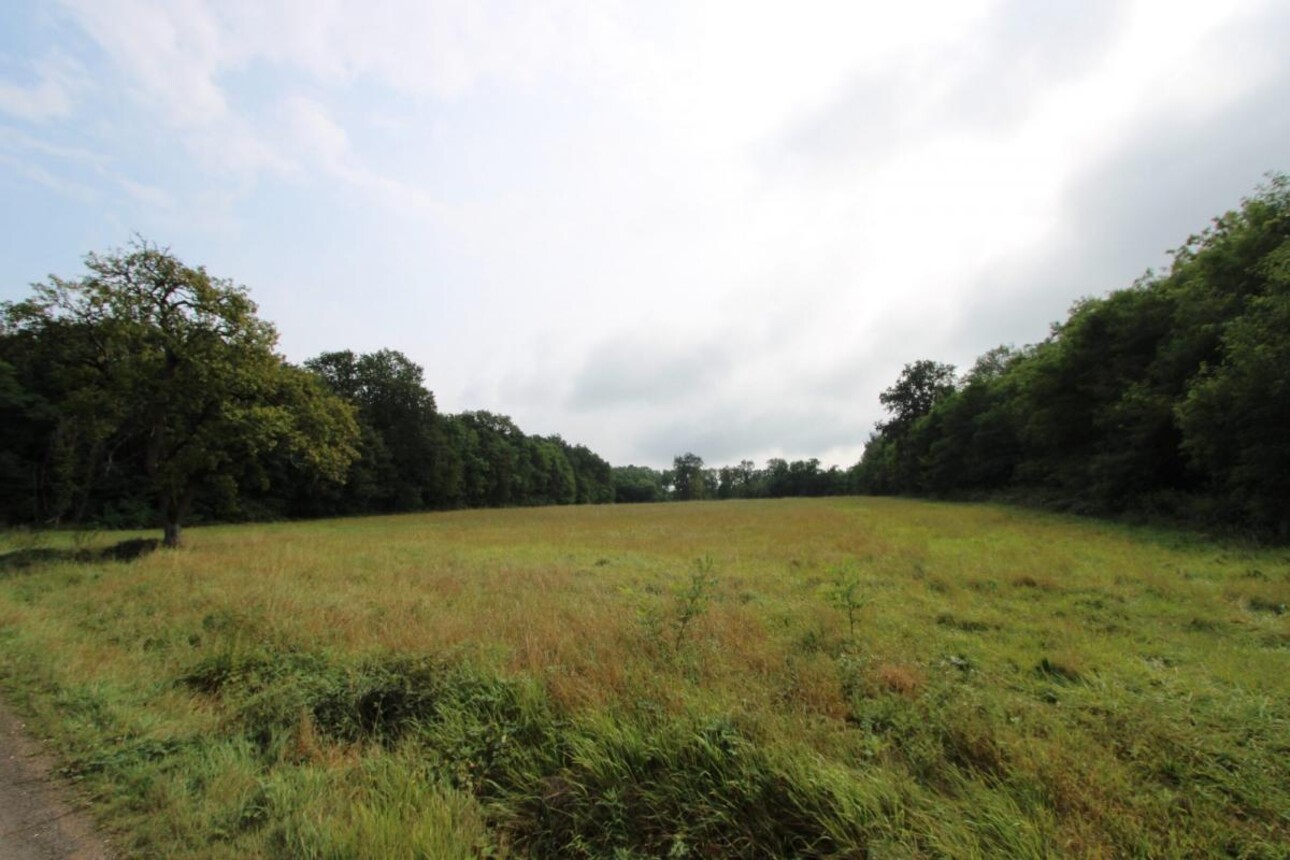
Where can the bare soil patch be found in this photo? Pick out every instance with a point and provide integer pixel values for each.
(40, 818)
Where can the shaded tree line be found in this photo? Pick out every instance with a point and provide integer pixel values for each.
(1170, 397)
(412, 457)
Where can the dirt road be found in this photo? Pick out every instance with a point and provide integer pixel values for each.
(39, 818)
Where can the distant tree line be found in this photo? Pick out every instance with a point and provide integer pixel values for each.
(1171, 397)
(690, 480)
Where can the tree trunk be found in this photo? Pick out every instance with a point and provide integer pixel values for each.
(172, 529)
(174, 510)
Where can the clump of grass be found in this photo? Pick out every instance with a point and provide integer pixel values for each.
(555, 785)
(1057, 670)
(967, 625)
(250, 667)
(902, 679)
(1260, 604)
(941, 736)
(689, 789)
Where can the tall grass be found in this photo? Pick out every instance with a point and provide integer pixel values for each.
(812, 678)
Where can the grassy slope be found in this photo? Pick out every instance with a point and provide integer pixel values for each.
(538, 682)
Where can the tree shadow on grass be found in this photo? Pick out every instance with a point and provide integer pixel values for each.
(26, 559)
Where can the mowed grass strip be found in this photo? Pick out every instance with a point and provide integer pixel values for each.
(813, 678)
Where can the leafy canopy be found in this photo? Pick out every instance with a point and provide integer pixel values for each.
(171, 369)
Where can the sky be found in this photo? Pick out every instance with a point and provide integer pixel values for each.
(652, 228)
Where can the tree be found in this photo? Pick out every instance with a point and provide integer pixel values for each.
(401, 437)
(23, 424)
(1235, 417)
(920, 385)
(594, 475)
(172, 370)
(496, 466)
(905, 437)
(688, 478)
(638, 484)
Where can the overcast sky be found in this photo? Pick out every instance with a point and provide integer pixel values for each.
(650, 227)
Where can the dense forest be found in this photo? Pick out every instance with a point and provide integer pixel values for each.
(411, 457)
(149, 391)
(1169, 398)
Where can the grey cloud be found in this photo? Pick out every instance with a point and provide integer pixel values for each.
(1057, 38)
(633, 369)
(989, 79)
(1026, 49)
(724, 433)
(871, 119)
(1125, 213)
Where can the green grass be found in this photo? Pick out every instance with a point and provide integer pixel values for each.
(813, 678)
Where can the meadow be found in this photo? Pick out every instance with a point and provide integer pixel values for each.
(793, 678)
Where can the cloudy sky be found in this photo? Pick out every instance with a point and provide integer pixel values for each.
(650, 227)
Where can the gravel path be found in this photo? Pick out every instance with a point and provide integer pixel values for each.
(39, 817)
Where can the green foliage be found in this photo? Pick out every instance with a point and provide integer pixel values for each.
(1236, 416)
(695, 788)
(692, 602)
(501, 466)
(845, 596)
(638, 484)
(667, 623)
(400, 440)
(688, 481)
(921, 386)
(156, 368)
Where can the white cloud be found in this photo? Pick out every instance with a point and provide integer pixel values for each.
(18, 141)
(315, 139)
(148, 195)
(68, 188)
(51, 96)
(170, 52)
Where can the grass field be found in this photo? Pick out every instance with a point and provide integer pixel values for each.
(814, 678)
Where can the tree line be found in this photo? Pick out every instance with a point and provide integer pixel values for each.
(1170, 397)
(411, 457)
(690, 479)
(148, 391)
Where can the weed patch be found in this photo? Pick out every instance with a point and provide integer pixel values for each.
(558, 787)
(695, 789)
(846, 597)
